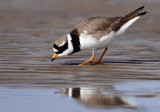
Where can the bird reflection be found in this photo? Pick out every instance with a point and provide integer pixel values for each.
(95, 98)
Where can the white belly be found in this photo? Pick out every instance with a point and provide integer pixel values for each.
(88, 42)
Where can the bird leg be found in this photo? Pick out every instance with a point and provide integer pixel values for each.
(92, 57)
(100, 59)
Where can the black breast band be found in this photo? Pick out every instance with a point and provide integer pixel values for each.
(76, 42)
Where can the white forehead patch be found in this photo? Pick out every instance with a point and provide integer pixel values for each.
(55, 50)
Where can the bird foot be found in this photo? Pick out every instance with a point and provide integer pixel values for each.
(98, 61)
(87, 61)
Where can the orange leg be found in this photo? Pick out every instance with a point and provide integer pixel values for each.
(88, 61)
(91, 58)
(100, 59)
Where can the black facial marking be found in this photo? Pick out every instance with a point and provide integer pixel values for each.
(55, 46)
(75, 41)
(61, 49)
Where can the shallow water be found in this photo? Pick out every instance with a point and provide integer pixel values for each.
(127, 81)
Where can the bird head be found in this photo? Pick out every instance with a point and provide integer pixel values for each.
(62, 47)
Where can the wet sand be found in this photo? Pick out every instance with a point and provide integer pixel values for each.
(29, 81)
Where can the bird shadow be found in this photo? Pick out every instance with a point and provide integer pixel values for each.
(119, 62)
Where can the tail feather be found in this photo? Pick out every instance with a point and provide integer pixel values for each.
(143, 13)
(128, 20)
(134, 14)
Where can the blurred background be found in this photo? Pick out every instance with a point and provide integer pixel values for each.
(50, 13)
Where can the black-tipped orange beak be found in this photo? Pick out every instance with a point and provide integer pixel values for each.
(54, 56)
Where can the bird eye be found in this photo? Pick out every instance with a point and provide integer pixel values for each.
(60, 49)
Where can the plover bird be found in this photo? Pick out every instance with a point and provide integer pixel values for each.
(93, 34)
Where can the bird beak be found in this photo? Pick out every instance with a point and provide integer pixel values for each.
(54, 56)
